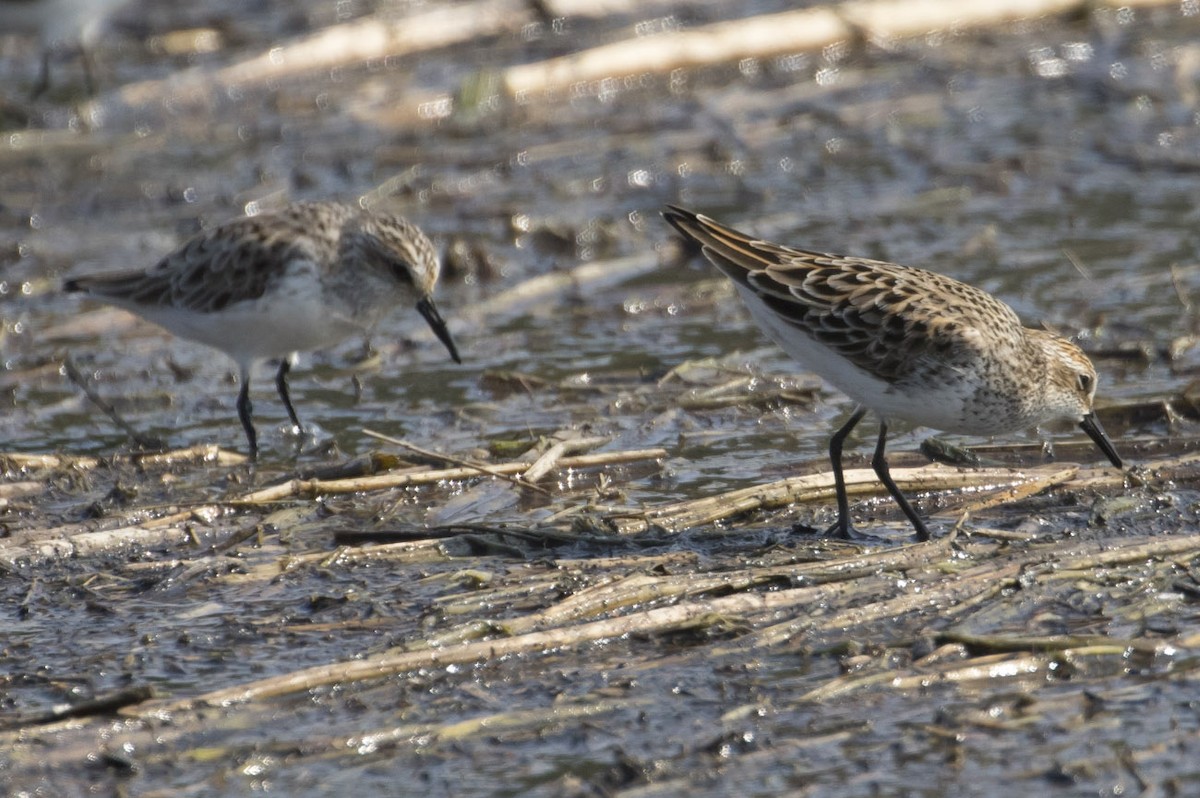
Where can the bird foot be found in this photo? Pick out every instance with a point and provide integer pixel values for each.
(839, 531)
(835, 530)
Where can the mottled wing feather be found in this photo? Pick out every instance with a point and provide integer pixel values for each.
(880, 316)
(232, 263)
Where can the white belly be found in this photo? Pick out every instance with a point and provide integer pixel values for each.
(940, 406)
(251, 331)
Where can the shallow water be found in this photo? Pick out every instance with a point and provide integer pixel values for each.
(1052, 162)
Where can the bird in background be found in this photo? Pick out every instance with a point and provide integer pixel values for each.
(268, 286)
(59, 25)
(905, 343)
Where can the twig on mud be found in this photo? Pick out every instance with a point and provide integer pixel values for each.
(20, 490)
(25, 461)
(1035, 482)
(987, 668)
(1002, 643)
(105, 704)
(980, 669)
(550, 458)
(1131, 552)
(738, 393)
(352, 42)
(201, 453)
(381, 666)
(314, 488)
(767, 35)
(106, 407)
(1181, 293)
(174, 530)
(760, 35)
(818, 487)
(493, 724)
(371, 744)
(536, 289)
(480, 467)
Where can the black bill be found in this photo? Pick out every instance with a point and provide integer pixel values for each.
(430, 312)
(1091, 425)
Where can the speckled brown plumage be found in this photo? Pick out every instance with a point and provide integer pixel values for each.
(266, 286)
(908, 343)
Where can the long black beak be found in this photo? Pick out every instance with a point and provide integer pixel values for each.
(430, 312)
(1091, 425)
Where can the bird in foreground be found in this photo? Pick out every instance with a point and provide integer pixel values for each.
(58, 24)
(909, 344)
(272, 285)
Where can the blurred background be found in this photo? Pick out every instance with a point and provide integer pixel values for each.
(1046, 155)
(1047, 152)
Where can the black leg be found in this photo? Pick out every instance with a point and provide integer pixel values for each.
(843, 525)
(89, 70)
(880, 464)
(281, 385)
(244, 409)
(43, 82)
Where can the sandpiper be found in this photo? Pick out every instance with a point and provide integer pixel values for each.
(269, 286)
(58, 24)
(909, 344)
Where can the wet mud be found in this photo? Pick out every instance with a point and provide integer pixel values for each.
(378, 606)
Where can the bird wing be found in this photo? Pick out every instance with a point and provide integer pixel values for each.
(884, 318)
(232, 263)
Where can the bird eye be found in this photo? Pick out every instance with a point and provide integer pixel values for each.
(401, 272)
(1086, 383)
